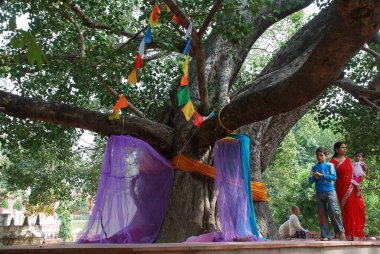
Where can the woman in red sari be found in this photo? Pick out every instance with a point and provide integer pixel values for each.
(352, 206)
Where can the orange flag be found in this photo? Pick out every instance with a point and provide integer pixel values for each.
(132, 78)
(121, 103)
(184, 81)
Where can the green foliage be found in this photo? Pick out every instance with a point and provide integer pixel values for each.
(17, 205)
(53, 171)
(65, 229)
(4, 162)
(81, 205)
(45, 157)
(34, 52)
(372, 197)
(4, 203)
(343, 114)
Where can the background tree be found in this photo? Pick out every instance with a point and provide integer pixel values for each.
(17, 205)
(65, 228)
(89, 56)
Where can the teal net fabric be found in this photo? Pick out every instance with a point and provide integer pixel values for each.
(246, 165)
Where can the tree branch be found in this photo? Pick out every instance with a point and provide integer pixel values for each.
(357, 91)
(372, 188)
(158, 135)
(95, 24)
(152, 57)
(80, 34)
(211, 14)
(374, 54)
(370, 103)
(199, 56)
(123, 45)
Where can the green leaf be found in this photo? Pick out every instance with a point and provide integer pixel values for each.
(17, 41)
(28, 37)
(30, 57)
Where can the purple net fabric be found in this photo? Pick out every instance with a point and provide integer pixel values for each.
(133, 194)
(232, 196)
(232, 199)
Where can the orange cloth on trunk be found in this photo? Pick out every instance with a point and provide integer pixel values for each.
(185, 163)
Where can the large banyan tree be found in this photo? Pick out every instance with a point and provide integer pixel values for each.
(72, 62)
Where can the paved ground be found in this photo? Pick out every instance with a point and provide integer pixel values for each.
(269, 247)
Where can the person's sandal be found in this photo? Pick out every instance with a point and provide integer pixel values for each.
(325, 239)
(342, 236)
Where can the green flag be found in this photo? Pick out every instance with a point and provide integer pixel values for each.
(183, 96)
(126, 89)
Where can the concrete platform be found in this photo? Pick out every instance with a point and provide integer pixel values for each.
(270, 247)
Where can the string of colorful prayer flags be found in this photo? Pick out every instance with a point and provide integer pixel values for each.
(153, 22)
(138, 64)
(188, 109)
(183, 96)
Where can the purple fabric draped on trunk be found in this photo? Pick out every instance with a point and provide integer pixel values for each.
(133, 194)
(234, 214)
(232, 196)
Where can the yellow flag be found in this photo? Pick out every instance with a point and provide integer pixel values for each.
(114, 116)
(167, 8)
(185, 66)
(188, 110)
(132, 78)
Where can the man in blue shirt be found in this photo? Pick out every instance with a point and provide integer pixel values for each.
(323, 175)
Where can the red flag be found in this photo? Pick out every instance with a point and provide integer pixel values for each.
(156, 9)
(154, 16)
(138, 62)
(176, 20)
(198, 120)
